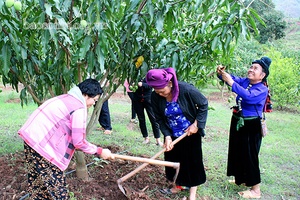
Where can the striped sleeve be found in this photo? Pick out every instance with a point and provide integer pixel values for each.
(78, 131)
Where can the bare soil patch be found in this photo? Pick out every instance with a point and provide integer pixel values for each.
(102, 183)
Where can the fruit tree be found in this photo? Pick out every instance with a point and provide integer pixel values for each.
(48, 45)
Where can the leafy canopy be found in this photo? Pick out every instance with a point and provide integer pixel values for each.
(46, 46)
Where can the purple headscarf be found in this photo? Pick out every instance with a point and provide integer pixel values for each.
(159, 78)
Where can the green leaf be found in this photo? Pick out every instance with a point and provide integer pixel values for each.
(100, 57)
(134, 18)
(135, 22)
(112, 55)
(253, 24)
(244, 28)
(254, 13)
(76, 12)
(227, 42)
(150, 11)
(85, 47)
(91, 59)
(169, 21)
(24, 53)
(159, 23)
(6, 54)
(162, 44)
(215, 43)
(134, 4)
(175, 60)
(241, 13)
(63, 24)
(48, 10)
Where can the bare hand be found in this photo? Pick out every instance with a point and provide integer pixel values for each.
(220, 69)
(192, 129)
(106, 154)
(227, 78)
(168, 144)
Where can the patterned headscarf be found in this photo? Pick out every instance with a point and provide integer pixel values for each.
(159, 78)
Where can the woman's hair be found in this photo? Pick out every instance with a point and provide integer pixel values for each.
(90, 87)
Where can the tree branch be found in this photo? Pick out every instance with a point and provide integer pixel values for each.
(67, 52)
(35, 66)
(141, 6)
(62, 85)
(51, 91)
(249, 4)
(5, 31)
(29, 89)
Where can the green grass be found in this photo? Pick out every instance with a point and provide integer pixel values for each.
(12, 118)
(279, 156)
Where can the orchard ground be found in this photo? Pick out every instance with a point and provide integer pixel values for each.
(103, 176)
(279, 159)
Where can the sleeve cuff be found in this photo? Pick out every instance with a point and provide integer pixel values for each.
(99, 151)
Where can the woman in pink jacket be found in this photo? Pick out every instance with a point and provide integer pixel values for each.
(52, 134)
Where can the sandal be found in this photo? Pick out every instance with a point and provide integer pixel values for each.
(160, 144)
(146, 141)
(248, 195)
(167, 191)
(107, 132)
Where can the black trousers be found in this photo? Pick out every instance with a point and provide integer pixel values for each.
(133, 113)
(140, 105)
(104, 117)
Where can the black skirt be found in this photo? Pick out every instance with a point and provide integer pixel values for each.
(188, 152)
(244, 146)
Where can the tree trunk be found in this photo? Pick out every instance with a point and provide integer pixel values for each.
(81, 168)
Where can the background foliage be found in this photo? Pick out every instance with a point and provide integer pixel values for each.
(274, 26)
(285, 81)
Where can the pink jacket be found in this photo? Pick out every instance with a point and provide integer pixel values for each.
(58, 127)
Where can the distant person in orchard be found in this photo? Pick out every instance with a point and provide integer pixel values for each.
(142, 102)
(245, 130)
(104, 119)
(179, 107)
(52, 134)
(130, 94)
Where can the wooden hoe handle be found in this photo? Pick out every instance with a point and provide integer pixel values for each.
(139, 168)
(148, 160)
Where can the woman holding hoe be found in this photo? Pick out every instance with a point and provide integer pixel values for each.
(52, 134)
(179, 107)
